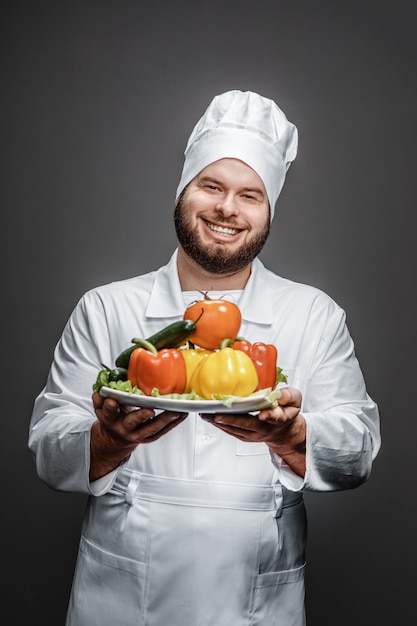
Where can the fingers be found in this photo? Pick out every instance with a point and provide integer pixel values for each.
(156, 428)
(128, 424)
(107, 407)
(289, 405)
(133, 419)
(242, 426)
(98, 400)
(236, 423)
(290, 397)
(110, 411)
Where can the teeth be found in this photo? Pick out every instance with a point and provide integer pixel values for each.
(224, 231)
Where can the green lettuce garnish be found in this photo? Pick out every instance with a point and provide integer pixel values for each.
(281, 377)
(125, 385)
(176, 396)
(271, 394)
(228, 400)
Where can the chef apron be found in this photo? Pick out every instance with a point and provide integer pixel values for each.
(158, 551)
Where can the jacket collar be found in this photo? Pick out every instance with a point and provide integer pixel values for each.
(166, 297)
(256, 301)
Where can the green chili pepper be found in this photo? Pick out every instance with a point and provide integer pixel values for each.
(107, 375)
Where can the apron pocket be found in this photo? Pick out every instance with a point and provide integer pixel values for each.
(106, 586)
(279, 598)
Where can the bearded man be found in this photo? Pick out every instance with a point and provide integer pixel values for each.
(198, 519)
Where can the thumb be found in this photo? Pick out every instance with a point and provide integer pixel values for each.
(290, 397)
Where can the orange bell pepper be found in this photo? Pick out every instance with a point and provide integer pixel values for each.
(150, 369)
(264, 357)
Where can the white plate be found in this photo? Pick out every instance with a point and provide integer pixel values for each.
(241, 405)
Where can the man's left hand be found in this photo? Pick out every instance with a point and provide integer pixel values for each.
(281, 427)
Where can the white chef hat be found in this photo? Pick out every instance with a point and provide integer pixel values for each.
(248, 127)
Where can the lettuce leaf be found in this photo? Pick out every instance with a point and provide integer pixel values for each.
(125, 385)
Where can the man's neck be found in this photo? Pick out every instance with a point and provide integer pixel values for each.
(195, 278)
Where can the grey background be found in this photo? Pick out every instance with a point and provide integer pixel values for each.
(98, 100)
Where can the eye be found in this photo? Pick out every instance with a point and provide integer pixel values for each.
(211, 187)
(251, 197)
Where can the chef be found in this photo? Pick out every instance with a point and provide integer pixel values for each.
(198, 519)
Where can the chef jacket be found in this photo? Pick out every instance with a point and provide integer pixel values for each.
(180, 508)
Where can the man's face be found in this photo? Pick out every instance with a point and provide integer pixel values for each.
(222, 218)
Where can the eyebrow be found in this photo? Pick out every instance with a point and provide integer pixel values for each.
(212, 179)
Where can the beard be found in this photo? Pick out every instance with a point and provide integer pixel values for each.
(216, 258)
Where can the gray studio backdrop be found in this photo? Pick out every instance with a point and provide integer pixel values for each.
(98, 100)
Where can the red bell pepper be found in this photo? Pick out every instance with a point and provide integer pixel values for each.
(150, 369)
(264, 357)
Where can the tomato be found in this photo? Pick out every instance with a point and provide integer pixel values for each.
(221, 320)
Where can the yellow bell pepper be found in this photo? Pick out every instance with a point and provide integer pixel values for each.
(192, 358)
(227, 372)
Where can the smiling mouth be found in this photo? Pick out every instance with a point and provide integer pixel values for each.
(222, 229)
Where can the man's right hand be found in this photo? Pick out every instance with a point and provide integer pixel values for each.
(119, 430)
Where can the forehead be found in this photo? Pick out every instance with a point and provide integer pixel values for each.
(233, 171)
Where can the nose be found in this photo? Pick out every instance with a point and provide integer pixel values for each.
(227, 205)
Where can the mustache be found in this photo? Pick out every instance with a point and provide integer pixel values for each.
(230, 222)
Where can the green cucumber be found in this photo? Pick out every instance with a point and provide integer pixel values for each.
(172, 336)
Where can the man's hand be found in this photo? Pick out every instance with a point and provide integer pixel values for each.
(119, 430)
(282, 428)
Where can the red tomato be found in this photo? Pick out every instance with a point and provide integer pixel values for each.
(221, 320)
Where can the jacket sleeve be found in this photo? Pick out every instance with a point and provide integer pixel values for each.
(59, 433)
(343, 430)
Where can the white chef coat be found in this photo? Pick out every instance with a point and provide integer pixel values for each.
(251, 572)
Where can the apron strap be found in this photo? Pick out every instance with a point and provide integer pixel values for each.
(278, 499)
(132, 487)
